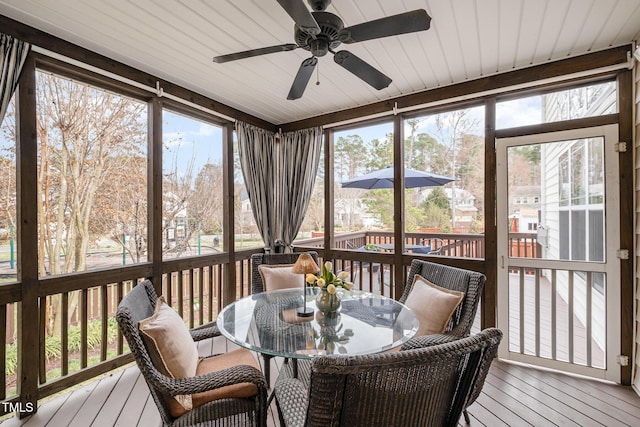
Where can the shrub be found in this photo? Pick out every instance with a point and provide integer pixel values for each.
(53, 344)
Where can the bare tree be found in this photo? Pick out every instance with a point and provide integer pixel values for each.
(8, 171)
(87, 139)
(452, 127)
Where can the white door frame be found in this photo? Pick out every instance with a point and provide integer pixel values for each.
(611, 266)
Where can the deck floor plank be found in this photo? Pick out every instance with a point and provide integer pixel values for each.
(132, 411)
(608, 394)
(514, 395)
(45, 413)
(72, 405)
(150, 415)
(577, 410)
(494, 398)
(484, 412)
(529, 396)
(596, 405)
(95, 401)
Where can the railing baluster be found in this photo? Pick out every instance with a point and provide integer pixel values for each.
(3, 350)
(84, 352)
(201, 296)
(554, 311)
(180, 293)
(588, 322)
(120, 343)
(219, 275)
(64, 318)
(210, 293)
(169, 292)
(521, 308)
(537, 310)
(571, 313)
(104, 303)
(191, 296)
(43, 336)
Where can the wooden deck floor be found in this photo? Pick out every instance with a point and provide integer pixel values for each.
(513, 395)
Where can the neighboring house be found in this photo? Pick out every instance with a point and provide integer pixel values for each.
(352, 214)
(524, 205)
(176, 226)
(462, 204)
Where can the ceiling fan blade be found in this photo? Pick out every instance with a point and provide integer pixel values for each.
(302, 78)
(254, 52)
(301, 15)
(357, 66)
(408, 22)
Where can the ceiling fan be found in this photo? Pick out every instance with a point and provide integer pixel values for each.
(321, 32)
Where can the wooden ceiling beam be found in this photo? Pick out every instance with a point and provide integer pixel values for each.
(526, 76)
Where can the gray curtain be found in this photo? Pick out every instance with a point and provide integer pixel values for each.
(13, 53)
(279, 171)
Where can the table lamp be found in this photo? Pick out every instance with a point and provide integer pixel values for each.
(305, 265)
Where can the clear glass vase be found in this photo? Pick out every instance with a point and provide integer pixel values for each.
(326, 302)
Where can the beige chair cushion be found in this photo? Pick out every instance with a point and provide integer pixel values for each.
(432, 305)
(214, 364)
(171, 347)
(279, 276)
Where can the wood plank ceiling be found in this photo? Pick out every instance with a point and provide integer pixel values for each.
(468, 39)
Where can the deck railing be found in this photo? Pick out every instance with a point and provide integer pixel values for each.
(78, 336)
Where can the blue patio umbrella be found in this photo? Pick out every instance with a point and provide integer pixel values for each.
(383, 178)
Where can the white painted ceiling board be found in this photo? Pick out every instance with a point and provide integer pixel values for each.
(468, 39)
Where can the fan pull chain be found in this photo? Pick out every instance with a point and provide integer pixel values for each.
(318, 74)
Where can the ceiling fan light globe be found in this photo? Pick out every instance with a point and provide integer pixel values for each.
(319, 4)
(319, 47)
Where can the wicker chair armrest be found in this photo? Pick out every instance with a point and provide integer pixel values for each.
(230, 376)
(292, 398)
(206, 331)
(428, 341)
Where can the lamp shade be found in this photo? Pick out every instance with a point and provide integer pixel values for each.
(305, 265)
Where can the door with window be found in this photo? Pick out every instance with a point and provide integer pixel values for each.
(558, 250)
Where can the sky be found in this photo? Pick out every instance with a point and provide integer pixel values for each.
(188, 140)
(519, 112)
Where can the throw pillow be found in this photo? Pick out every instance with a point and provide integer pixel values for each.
(279, 276)
(171, 348)
(432, 305)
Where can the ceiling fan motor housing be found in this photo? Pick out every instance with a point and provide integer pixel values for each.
(330, 26)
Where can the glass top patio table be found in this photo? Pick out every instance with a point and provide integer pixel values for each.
(365, 324)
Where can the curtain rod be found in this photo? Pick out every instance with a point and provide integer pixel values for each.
(476, 95)
(158, 90)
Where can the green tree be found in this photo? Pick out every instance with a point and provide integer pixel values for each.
(379, 154)
(348, 156)
(436, 210)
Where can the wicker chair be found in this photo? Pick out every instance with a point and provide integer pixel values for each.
(258, 286)
(427, 386)
(271, 259)
(140, 304)
(467, 281)
(483, 368)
